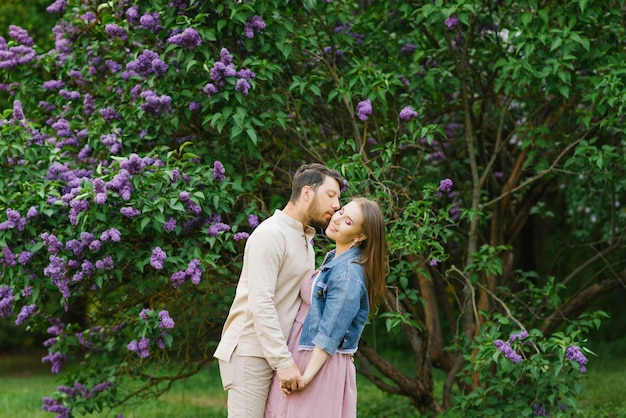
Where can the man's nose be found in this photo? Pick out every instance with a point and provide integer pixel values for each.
(336, 204)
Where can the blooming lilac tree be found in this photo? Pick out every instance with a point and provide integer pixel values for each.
(140, 152)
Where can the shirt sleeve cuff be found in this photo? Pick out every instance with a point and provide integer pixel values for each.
(325, 343)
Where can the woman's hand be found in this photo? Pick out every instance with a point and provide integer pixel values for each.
(289, 389)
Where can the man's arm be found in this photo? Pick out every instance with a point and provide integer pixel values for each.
(264, 256)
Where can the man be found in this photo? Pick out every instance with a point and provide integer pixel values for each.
(277, 257)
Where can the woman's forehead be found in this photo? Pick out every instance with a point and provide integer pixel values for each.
(353, 210)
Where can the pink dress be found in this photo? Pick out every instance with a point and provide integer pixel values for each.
(331, 393)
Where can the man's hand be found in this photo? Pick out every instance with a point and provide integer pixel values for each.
(290, 379)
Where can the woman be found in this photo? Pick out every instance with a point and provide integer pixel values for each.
(335, 305)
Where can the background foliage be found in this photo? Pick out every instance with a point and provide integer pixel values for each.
(140, 148)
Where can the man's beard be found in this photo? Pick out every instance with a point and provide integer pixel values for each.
(316, 219)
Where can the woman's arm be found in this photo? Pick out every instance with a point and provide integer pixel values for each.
(316, 362)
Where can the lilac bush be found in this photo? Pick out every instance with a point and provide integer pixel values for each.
(123, 200)
(527, 374)
(140, 151)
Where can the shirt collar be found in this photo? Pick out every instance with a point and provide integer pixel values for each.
(294, 223)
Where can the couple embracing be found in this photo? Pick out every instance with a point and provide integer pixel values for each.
(288, 343)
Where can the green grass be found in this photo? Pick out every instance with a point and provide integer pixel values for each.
(606, 383)
(24, 380)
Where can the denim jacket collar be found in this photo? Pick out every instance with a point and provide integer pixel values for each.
(330, 260)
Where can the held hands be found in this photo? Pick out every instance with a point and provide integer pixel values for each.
(291, 380)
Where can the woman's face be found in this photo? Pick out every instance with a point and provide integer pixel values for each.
(346, 225)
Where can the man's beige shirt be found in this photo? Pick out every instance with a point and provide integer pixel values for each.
(277, 257)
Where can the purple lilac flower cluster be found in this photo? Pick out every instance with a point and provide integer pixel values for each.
(573, 353)
(10, 87)
(140, 347)
(100, 193)
(451, 22)
(111, 234)
(115, 31)
(437, 153)
(254, 25)
(165, 321)
(25, 313)
(57, 7)
(132, 15)
(134, 164)
(57, 272)
(506, 349)
(105, 264)
(338, 54)
(151, 21)
(408, 48)
(8, 257)
(223, 68)
(6, 301)
(14, 220)
(217, 227)
(253, 220)
(240, 236)
(12, 56)
(194, 271)
(76, 207)
(539, 410)
(189, 38)
(121, 184)
(88, 17)
(69, 94)
(147, 63)
(20, 35)
(84, 391)
(364, 109)
(109, 114)
(18, 111)
(219, 172)
(51, 404)
(155, 105)
(407, 113)
(170, 225)
(157, 258)
(130, 212)
(518, 336)
(56, 359)
(445, 185)
(110, 140)
(88, 104)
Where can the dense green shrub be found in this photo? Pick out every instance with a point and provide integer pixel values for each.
(139, 151)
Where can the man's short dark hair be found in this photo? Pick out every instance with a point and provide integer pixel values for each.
(312, 175)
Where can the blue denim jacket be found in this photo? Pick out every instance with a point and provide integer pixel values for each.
(339, 305)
